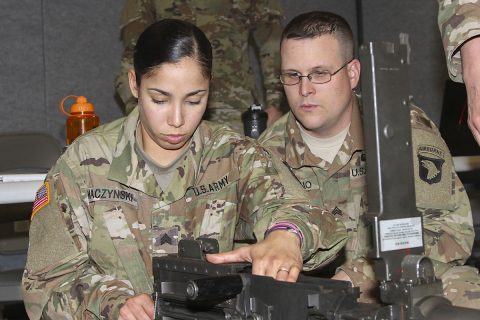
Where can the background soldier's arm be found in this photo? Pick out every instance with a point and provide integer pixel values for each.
(268, 16)
(458, 22)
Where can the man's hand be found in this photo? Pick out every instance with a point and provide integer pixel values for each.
(342, 275)
(278, 256)
(368, 289)
(139, 307)
(470, 53)
(273, 115)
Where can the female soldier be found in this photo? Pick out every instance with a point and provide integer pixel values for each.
(132, 188)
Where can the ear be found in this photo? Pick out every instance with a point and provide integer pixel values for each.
(353, 69)
(132, 82)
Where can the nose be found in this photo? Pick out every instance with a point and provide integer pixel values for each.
(306, 87)
(175, 116)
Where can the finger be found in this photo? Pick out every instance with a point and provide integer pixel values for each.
(137, 312)
(342, 275)
(476, 135)
(259, 268)
(238, 255)
(272, 269)
(125, 314)
(475, 131)
(293, 274)
(148, 306)
(143, 307)
(282, 274)
(140, 307)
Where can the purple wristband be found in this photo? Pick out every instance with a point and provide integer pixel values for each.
(287, 226)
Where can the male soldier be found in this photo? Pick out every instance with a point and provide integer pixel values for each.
(229, 25)
(459, 23)
(321, 139)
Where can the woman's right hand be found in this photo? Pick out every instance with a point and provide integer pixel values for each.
(277, 256)
(139, 307)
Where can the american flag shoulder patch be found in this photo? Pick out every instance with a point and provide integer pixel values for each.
(42, 198)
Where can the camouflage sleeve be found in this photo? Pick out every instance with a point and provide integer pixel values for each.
(266, 33)
(274, 196)
(449, 233)
(440, 196)
(136, 16)
(459, 21)
(60, 281)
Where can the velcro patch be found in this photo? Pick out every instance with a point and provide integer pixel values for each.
(430, 162)
(106, 194)
(42, 198)
(337, 211)
(359, 165)
(165, 240)
(214, 186)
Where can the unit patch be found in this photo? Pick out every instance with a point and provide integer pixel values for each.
(105, 194)
(42, 198)
(430, 163)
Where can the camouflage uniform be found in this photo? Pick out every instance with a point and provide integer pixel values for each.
(340, 187)
(229, 25)
(105, 215)
(459, 21)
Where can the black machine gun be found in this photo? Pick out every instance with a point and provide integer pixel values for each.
(188, 287)
(191, 288)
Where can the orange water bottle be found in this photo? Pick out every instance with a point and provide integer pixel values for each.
(81, 117)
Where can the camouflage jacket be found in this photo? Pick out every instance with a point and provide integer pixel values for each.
(459, 21)
(103, 215)
(229, 25)
(340, 187)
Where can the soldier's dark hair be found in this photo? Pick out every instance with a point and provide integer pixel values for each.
(314, 24)
(168, 41)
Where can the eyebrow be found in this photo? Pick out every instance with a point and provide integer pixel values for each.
(165, 93)
(309, 70)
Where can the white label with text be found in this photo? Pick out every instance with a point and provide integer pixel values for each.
(399, 234)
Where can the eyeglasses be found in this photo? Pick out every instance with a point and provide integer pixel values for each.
(318, 77)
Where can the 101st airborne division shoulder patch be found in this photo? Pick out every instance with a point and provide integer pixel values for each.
(430, 162)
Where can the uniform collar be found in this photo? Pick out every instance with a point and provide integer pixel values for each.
(353, 141)
(298, 154)
(129, 168)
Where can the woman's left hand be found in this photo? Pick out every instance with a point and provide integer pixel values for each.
(278, 256)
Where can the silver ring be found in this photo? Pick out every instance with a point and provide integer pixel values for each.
(283, 269)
